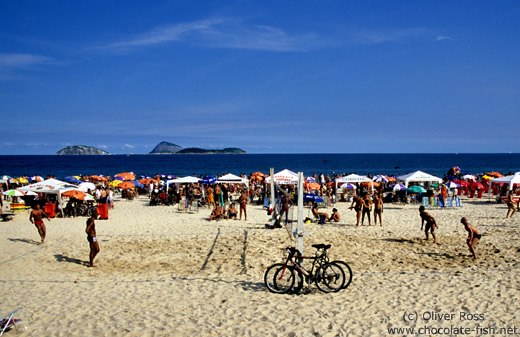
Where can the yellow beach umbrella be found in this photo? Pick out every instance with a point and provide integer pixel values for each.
(114, 183)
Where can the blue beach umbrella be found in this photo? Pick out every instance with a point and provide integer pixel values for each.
(312, 197)
(72, 179)
(138, 184)
(398, 187)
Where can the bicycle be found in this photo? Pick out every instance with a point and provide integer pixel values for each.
(289, 276)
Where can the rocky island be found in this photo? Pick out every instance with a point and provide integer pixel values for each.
(81, 150)
(170, 148)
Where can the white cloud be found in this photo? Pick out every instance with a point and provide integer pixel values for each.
(17, 61)
(221, 33)
(103, 146)
(364, 36)
(128, 146)
(442, 38)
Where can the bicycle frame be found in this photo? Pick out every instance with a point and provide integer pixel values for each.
(295, 257)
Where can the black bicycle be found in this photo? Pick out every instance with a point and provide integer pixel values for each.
(329, 276)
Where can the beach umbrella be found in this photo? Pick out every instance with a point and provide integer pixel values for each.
(486, 177)
(14, 193)
(495, 174)
(37, 178)
(310, 179)
(469, 177)
(72, 179)
(312, 198)
(313, 186)
(6, 178)
(86, 186)
(348, 186)
(126, 185)
(147, 181)
(22, 180)
(416, 189)
(74, 194)
(461, 182)
(398, 187)
(477, 186)
(115, 183)
(137, 184)
(380, 178)
(451, 184)
(126, 175)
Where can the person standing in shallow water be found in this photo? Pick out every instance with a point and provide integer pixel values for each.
(91, 238)
(36, 218)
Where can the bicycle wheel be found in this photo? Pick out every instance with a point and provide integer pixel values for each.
(346, 270)
(330, 278)
(279, 279)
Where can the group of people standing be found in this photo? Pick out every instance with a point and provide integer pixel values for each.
(363, 207)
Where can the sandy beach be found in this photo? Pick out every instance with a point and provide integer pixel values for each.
(162, 272)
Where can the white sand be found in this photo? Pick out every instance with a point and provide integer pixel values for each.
(165, 273)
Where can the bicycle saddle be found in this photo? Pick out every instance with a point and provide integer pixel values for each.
(321, 246)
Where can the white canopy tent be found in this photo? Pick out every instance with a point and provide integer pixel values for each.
(232, 179)
(510, 180)
(418, 176)
(284, 177)
(183, 180)
(352, 178)
(51, 186)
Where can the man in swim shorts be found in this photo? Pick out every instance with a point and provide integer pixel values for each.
(36, 218)
(473, 236)
(510, 204)
(430, 224)
(91, 238)
(378, 209)
(357, 204)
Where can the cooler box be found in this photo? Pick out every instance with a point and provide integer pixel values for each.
(102, 210)
(50, 210)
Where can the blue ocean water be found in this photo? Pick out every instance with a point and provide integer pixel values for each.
(182, 165)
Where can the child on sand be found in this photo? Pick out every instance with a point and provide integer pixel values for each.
(473, 236)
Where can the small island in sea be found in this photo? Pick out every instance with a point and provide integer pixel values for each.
(170, 148)
(81, 150)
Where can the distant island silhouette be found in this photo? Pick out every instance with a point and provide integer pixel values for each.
(161, 148)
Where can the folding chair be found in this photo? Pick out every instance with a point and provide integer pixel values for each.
(441, 202)
(8, 321)
(266, 203)
(425, 202)
(449, 202)
(182, 205)
(458, 203)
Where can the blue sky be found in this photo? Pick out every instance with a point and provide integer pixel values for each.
(265, 76)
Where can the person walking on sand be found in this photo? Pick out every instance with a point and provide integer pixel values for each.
(357, 204)
(36, 218)
(91, 238)
(473, 236)
(378, 209)
(211, 198)
(243, 203)
(510, 204)
(430, 224)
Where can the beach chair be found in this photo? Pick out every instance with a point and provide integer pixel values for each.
(441, 202)
(425, 202)
(8, 321)
(194, 207)
(458, 203)
(449, 202)
(266, 203)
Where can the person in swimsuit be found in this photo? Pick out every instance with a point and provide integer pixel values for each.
(232, 212)
(335, 215)
(243, 203)
(430, 224)
(286, 204)
(378, 209)
(366, 208)
(510, 204)
(36, 218)
(91, 238)
(320, 215)
(357, 204)
(473, 236)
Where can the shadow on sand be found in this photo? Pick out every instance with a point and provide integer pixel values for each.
(29, 241)
(63, 258)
